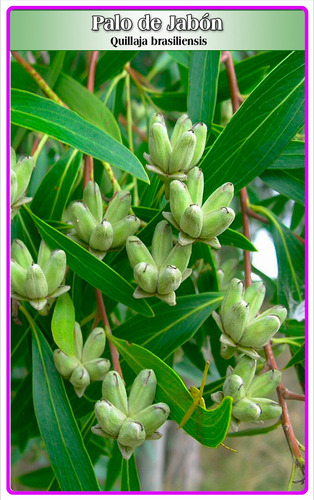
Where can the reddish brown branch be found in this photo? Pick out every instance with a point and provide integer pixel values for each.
(292, 395)
(137, 130)
(89, 160)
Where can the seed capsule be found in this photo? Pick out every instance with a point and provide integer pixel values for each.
(109, 417)
(233, 294)
(195, 185)
(102, 237)
(162, 242)
(124, 228)
(65, 364)
(83, 221)
(93, 200)
(94, 345)
(200, 131)
(279, 311)
(156, 118)
(80, 379)
(169, 280)
(182, 153)
(113, 389)
(222, 197)
(217, 222)
(226, 351)
(97, 368)
(159, 146)
(20, 253)
(234, 387)
(245, 368)
(235, 320)
(138, 252)
(263, 385)
(180, 199)
(246, 410)
(260, 331)
(132, 434)
(146, 276)
(78, 340)
(119, 207)
(254, 295)
(13, 186)
(192, 221)
(269, 409)
(183, 124)
(36, 283)
(23, 172)
(44, 253)
(179, 257)
(18, 278)
(142, 392)
(153, 417)
(55, 270)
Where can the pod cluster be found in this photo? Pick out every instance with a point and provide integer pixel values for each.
(173, 158)
(241, 328)
(249, 392)
(20, 174)
(129, 420)
(159, 272)
(198, 221)
(37, 283)
(86, 365)
(101, 231)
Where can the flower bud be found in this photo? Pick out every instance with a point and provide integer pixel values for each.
(246, 410)
(119, 206)
(221, 197)
(109, 417)
(80, 379)
(180, 199)
(260, 331)
(113, 389)
(169, 280)
(55, 270)
(123, 229)
(97, 368)
(138, 252)
(159, 146)
(195, 185)
(36, 283)
(132, 434)
(65, 364)
(162, 242)
(183, 124)
(142, 392)
(200, 131)
(182, 153)
(93, 200)
(217, 222)
(153, 417)
(146, 276)
(94, 345)
(235, 320)
(192, 221)
(263, 385)
(101, 238)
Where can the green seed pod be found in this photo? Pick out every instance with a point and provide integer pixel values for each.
(245, 368)
(217, 222)
(226, 351)
(179, 257)
(162, 242)
(182, 153)
(20, 253)
(119, 206)
(169, 280)
(18, 278)
(234, 387)
(102, 237)
(235, 320)
(138, 252)
(195, 185)
(269, 409)
(153, 417)
(80, 379)
(97, 368)
(23, 172)
(260, 331)
(263, 385)
(13, 186)
(93, 200)
(234, 293)
(142, 392)
(65, 364)
(95, 345)
(222, 197)
(159, 146)
(123, 229)
(55, 270)
(200, 131)
(254, 295)
(156, 118)
(246, 410)
(180, 199)
(109, 417)
(78, 340)
(36, 283)
(146, 276)
(279, 311)
(183, 124)
(83, 221)
(12, 158)
(113, 389)
(192, 221)
(132, 434)
(44, 254)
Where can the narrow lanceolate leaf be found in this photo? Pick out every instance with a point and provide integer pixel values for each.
(209, 427)
(95, 272)
(67, 453)
(170, 328)
(203, 81)
(129, 475)
(246, 147)
(182, 57)
(53, 192)
(62, 324)
(297, 358)
(293, 156)
(111, 63)
(290, 182)
(43, 115)
(236, 239)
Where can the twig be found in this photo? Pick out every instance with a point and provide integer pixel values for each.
(137, 130)
(89, 160)
(112, 178)
(292, 395)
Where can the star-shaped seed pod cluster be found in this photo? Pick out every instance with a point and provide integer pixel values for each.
(20, 175)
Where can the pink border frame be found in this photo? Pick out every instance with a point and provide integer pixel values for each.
(8, 247)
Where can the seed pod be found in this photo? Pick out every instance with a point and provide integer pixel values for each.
(182, 153)
(119, 206)
(159, 146)
(97, 368)
(254, 295)
(12, 158)
(180, 199)
(235, 320)
(217, 222)
(102, 237)
(55, 270)
(18, 278)
(179, 257)
(65, 364)
(20, 253)
(233, 294)
(263, 385)
(169, 280)
(234, 387)
(245, 368)
(226, 351)
(142, 392)
(94, 345)
(36, 283)
(195, 185)
(279, 311)
(192, 221)
(269, 409)
(23, 172)
(44, 253)
(221, 197)
(260, 331)
(109, 417)
(138, 252)
(113, 389)
(200, 131)
(13, 186)
(156, 118)
(146, 276)
(78, 340)
(162, 242)
(124, 228)
(153, 417)
(83, 221)
(132, 434)
(93, 200)
(80, 379)
(183, 124)
(246, 410)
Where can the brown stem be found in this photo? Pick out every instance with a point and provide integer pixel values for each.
(137, 130)
(89, 160)
(292, 395)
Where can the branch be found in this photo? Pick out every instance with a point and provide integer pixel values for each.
(89, 160)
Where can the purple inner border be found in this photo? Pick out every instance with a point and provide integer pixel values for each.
(8, 248)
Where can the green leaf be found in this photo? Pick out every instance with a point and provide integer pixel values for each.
(209, 427)
(114, 467)
(182, 57)
(67, 453)
(62, 324)
(170, 101)
(111, 63)
(203, 81)
(23, 228)
(256, 431)
(54, 191)
(290, 183)
(91, 269)
(38, 479)
(234, 239)
(129, 475)
(293, 156)
(246, 147)
(297, 358)
(40, 114)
